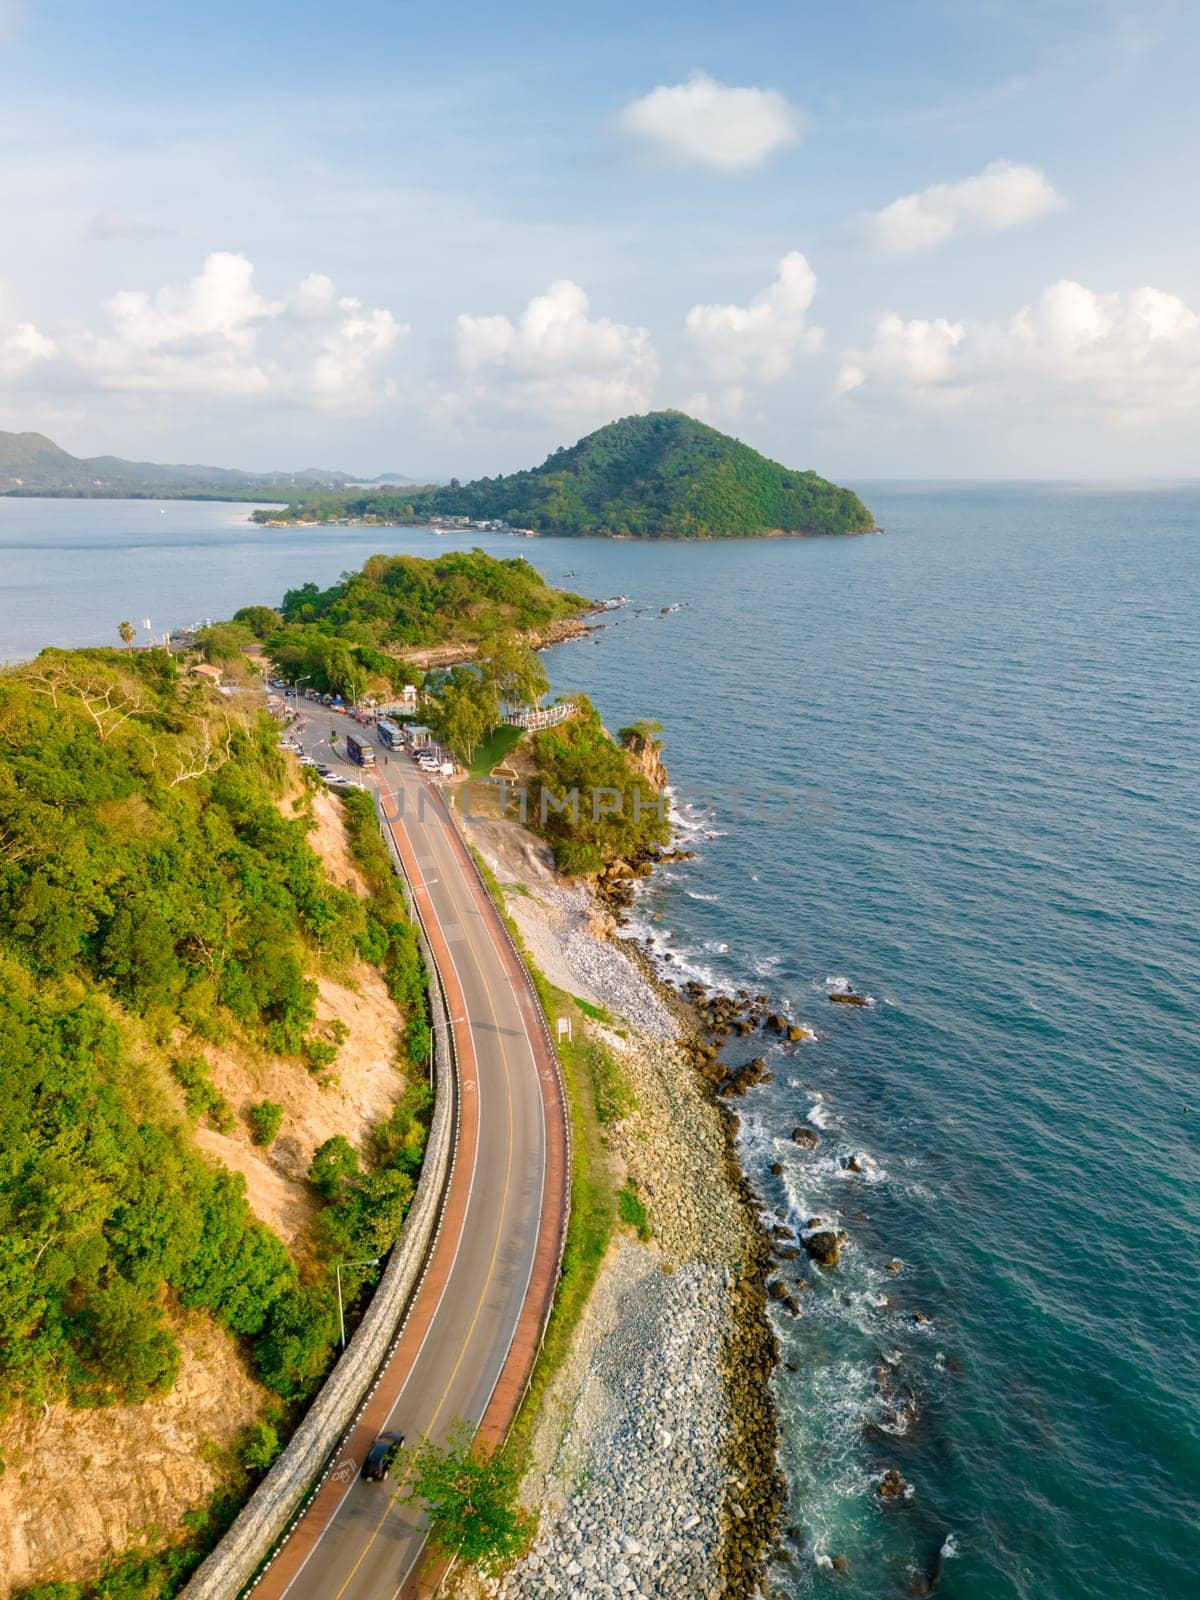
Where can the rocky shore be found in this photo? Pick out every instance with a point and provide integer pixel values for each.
(653, 1461)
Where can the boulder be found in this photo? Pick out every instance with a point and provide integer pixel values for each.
(849, 999)
(806, 1138)
(891, 1486)
(824, 1244)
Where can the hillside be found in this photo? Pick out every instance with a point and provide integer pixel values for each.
(31, 464)
(348, 639)
(191, 1010)
(657, 476)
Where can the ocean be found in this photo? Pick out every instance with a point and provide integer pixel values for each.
(954, 768)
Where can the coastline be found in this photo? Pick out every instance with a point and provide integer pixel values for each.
(641, 1468)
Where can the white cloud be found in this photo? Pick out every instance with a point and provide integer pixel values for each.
(712, 124)
(759, 340)
(21, 344)
(1133, 356)
(218, 335)
(555, 359)
(1002, 196)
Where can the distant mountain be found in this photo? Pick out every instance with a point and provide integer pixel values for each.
(32, 464)
(662, 475)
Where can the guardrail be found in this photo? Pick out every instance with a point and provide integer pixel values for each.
(263, 1525)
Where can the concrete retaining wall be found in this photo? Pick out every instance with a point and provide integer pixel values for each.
(314, 1447)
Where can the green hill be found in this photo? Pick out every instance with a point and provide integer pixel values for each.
(663, 475)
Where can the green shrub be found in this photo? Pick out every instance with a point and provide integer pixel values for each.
(631, 1210)
(259, 1445)
(265, 1119)
(200, 1094)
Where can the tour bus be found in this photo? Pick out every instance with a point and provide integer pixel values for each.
(362, 753)
(390, 734)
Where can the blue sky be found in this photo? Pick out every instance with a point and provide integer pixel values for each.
(879, 239)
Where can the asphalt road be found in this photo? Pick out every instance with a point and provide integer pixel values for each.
(356, 1541)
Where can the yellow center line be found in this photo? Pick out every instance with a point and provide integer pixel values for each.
(495, 1249)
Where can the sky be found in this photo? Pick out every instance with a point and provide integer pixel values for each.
(882, 238)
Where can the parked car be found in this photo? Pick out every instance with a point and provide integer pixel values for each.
(381, 1457)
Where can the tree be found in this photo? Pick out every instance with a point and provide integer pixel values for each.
(123, 1343)
(296, 1346)
(471, 1496)
(515, 672)
(261, 620)
(333, 1165)
(126, 632)
(465, 710)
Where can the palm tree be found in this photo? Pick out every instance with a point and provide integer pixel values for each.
(126, 631)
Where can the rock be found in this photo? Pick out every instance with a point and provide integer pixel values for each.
(895, 1265)
(891, 1486)
(849, 999)
(806, 1138)
(920, 1584)
(776, 1169)
(795, 1034)
(840, 1564)
(824, 1245)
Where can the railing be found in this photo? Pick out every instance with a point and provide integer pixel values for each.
(543, 717)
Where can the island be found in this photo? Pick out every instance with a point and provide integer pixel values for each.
(659, 476)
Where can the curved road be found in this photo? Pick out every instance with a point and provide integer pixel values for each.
(472, 1328)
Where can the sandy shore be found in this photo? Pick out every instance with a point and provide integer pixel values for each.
(653, 1463)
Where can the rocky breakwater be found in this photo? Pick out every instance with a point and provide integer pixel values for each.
(653, 1462)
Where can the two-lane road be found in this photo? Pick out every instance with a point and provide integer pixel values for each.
(472, 1328)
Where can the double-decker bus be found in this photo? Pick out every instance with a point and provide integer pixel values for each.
(362, 753)
(389, 734)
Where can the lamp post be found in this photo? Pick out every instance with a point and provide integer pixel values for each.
(372, 1261)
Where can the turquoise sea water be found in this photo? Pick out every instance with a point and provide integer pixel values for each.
(988, 720)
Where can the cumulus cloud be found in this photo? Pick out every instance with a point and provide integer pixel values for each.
(759, 340)
(1133, 355)
(219, 335)
(554, 359)
(712, 124)
(21, 344)
(1003, 195)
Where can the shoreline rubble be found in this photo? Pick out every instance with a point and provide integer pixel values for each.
(649, 1477)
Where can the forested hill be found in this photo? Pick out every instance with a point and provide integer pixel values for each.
(155, 904)
(662, 475)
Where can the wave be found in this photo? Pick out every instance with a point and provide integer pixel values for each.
(819, 1115)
